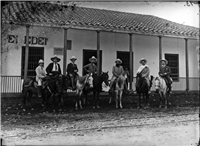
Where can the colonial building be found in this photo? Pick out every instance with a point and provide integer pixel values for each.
(88, 32)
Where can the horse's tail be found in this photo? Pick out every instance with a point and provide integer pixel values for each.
(151, 81)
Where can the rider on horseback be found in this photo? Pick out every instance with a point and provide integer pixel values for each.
(144, 71)
(53, 69)
(165, 72)
(91, 68)
(40, 75)
(117, 70)
(72, 70)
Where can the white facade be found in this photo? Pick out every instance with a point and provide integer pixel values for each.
(143, 47)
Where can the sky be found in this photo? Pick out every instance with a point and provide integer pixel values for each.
(175, 11)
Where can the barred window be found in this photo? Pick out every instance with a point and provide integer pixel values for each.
(35, 54)
(125, 57)
(173, 63)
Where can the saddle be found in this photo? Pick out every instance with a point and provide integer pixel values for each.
(44, 84)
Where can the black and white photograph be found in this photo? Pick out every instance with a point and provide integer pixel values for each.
(100, 73)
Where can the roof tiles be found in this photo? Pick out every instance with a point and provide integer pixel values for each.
(23, 13)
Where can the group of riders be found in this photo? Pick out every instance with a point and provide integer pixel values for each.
(53, 69)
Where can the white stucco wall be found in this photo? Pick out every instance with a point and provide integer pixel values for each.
(143, 47)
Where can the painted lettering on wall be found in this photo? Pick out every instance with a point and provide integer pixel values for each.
(32, 40)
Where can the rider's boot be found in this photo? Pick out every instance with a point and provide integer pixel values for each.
(170, 89)
(39, 91)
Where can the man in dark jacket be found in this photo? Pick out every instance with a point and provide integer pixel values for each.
(72, 70)
(165, 72)
(53, 68)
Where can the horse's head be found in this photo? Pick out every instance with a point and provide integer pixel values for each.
(157, 83)
(90, 80)
(139, 80)
(105, 78)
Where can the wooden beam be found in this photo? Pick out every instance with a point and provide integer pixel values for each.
(98, 52)
(186, 65)
(65, 51)
(26, 52)
(131, 59)
(160, 49)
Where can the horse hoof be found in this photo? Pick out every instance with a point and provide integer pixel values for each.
(76, 108)
(93, 107)
(121, 107)
(165, 107)
(98, 106)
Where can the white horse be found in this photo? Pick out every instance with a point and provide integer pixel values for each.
(80, 84)
(161, 87)
(118, 90)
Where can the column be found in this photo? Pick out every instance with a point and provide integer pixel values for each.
(65, 51)
(26, 52)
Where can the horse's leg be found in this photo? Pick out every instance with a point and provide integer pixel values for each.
(161, 98)
(98, 100)
(24, 95)
(147, 99)
(120, 99)
(76, 102)
(139, 100)
(165, 99)
(116, 99)
(110, 100)
(80, 98)
(94, 99)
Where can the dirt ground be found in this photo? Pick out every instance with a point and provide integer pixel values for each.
(177, 125)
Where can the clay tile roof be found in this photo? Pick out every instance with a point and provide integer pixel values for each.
(48, 14)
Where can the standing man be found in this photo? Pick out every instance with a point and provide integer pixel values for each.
(165, 72)
(117, 70)
(72, 70)
(40, 75)
(53, 68)
(144, 71)
(91, 68)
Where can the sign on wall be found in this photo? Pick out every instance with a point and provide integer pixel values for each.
(32, 40)
(59, 50)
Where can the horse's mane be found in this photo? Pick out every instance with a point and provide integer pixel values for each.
(82, 78)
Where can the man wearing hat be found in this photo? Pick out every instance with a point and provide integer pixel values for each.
(53, 68)
(165, 72)
(117, 70)
(91, 68)
(72, 70)
(144, 70)
(40, 75)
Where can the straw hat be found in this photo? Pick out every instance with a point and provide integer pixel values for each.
(93, 59)
(166, 62)
(40, 61)
(143, 59)
(118, 61)
(73, 58)
(52, 58)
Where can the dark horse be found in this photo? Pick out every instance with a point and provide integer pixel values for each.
(51, 87)
(142, 88)
(97, 88)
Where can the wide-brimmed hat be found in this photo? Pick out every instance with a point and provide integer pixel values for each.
(73, 58)
(143, 59)
(118, 61)
(93, 59)
(40, 61)
(164, 60)
(52, 58)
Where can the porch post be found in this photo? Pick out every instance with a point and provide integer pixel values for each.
(131, 59)
(186, 65)
(98, 52)
(65, 51)
(26, 52)
(160, 49)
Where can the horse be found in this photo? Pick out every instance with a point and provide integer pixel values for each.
(142, 88)
(80, 84)
(118, 85)
(161, 88)
(29, 88)
(97, 88)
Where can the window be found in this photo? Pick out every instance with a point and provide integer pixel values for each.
(173, 63)
(125, 57)
(35, 54)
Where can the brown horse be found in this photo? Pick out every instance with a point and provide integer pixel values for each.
(51, 87)
(80, 84)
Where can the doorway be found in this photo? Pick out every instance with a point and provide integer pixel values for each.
(87, 54)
